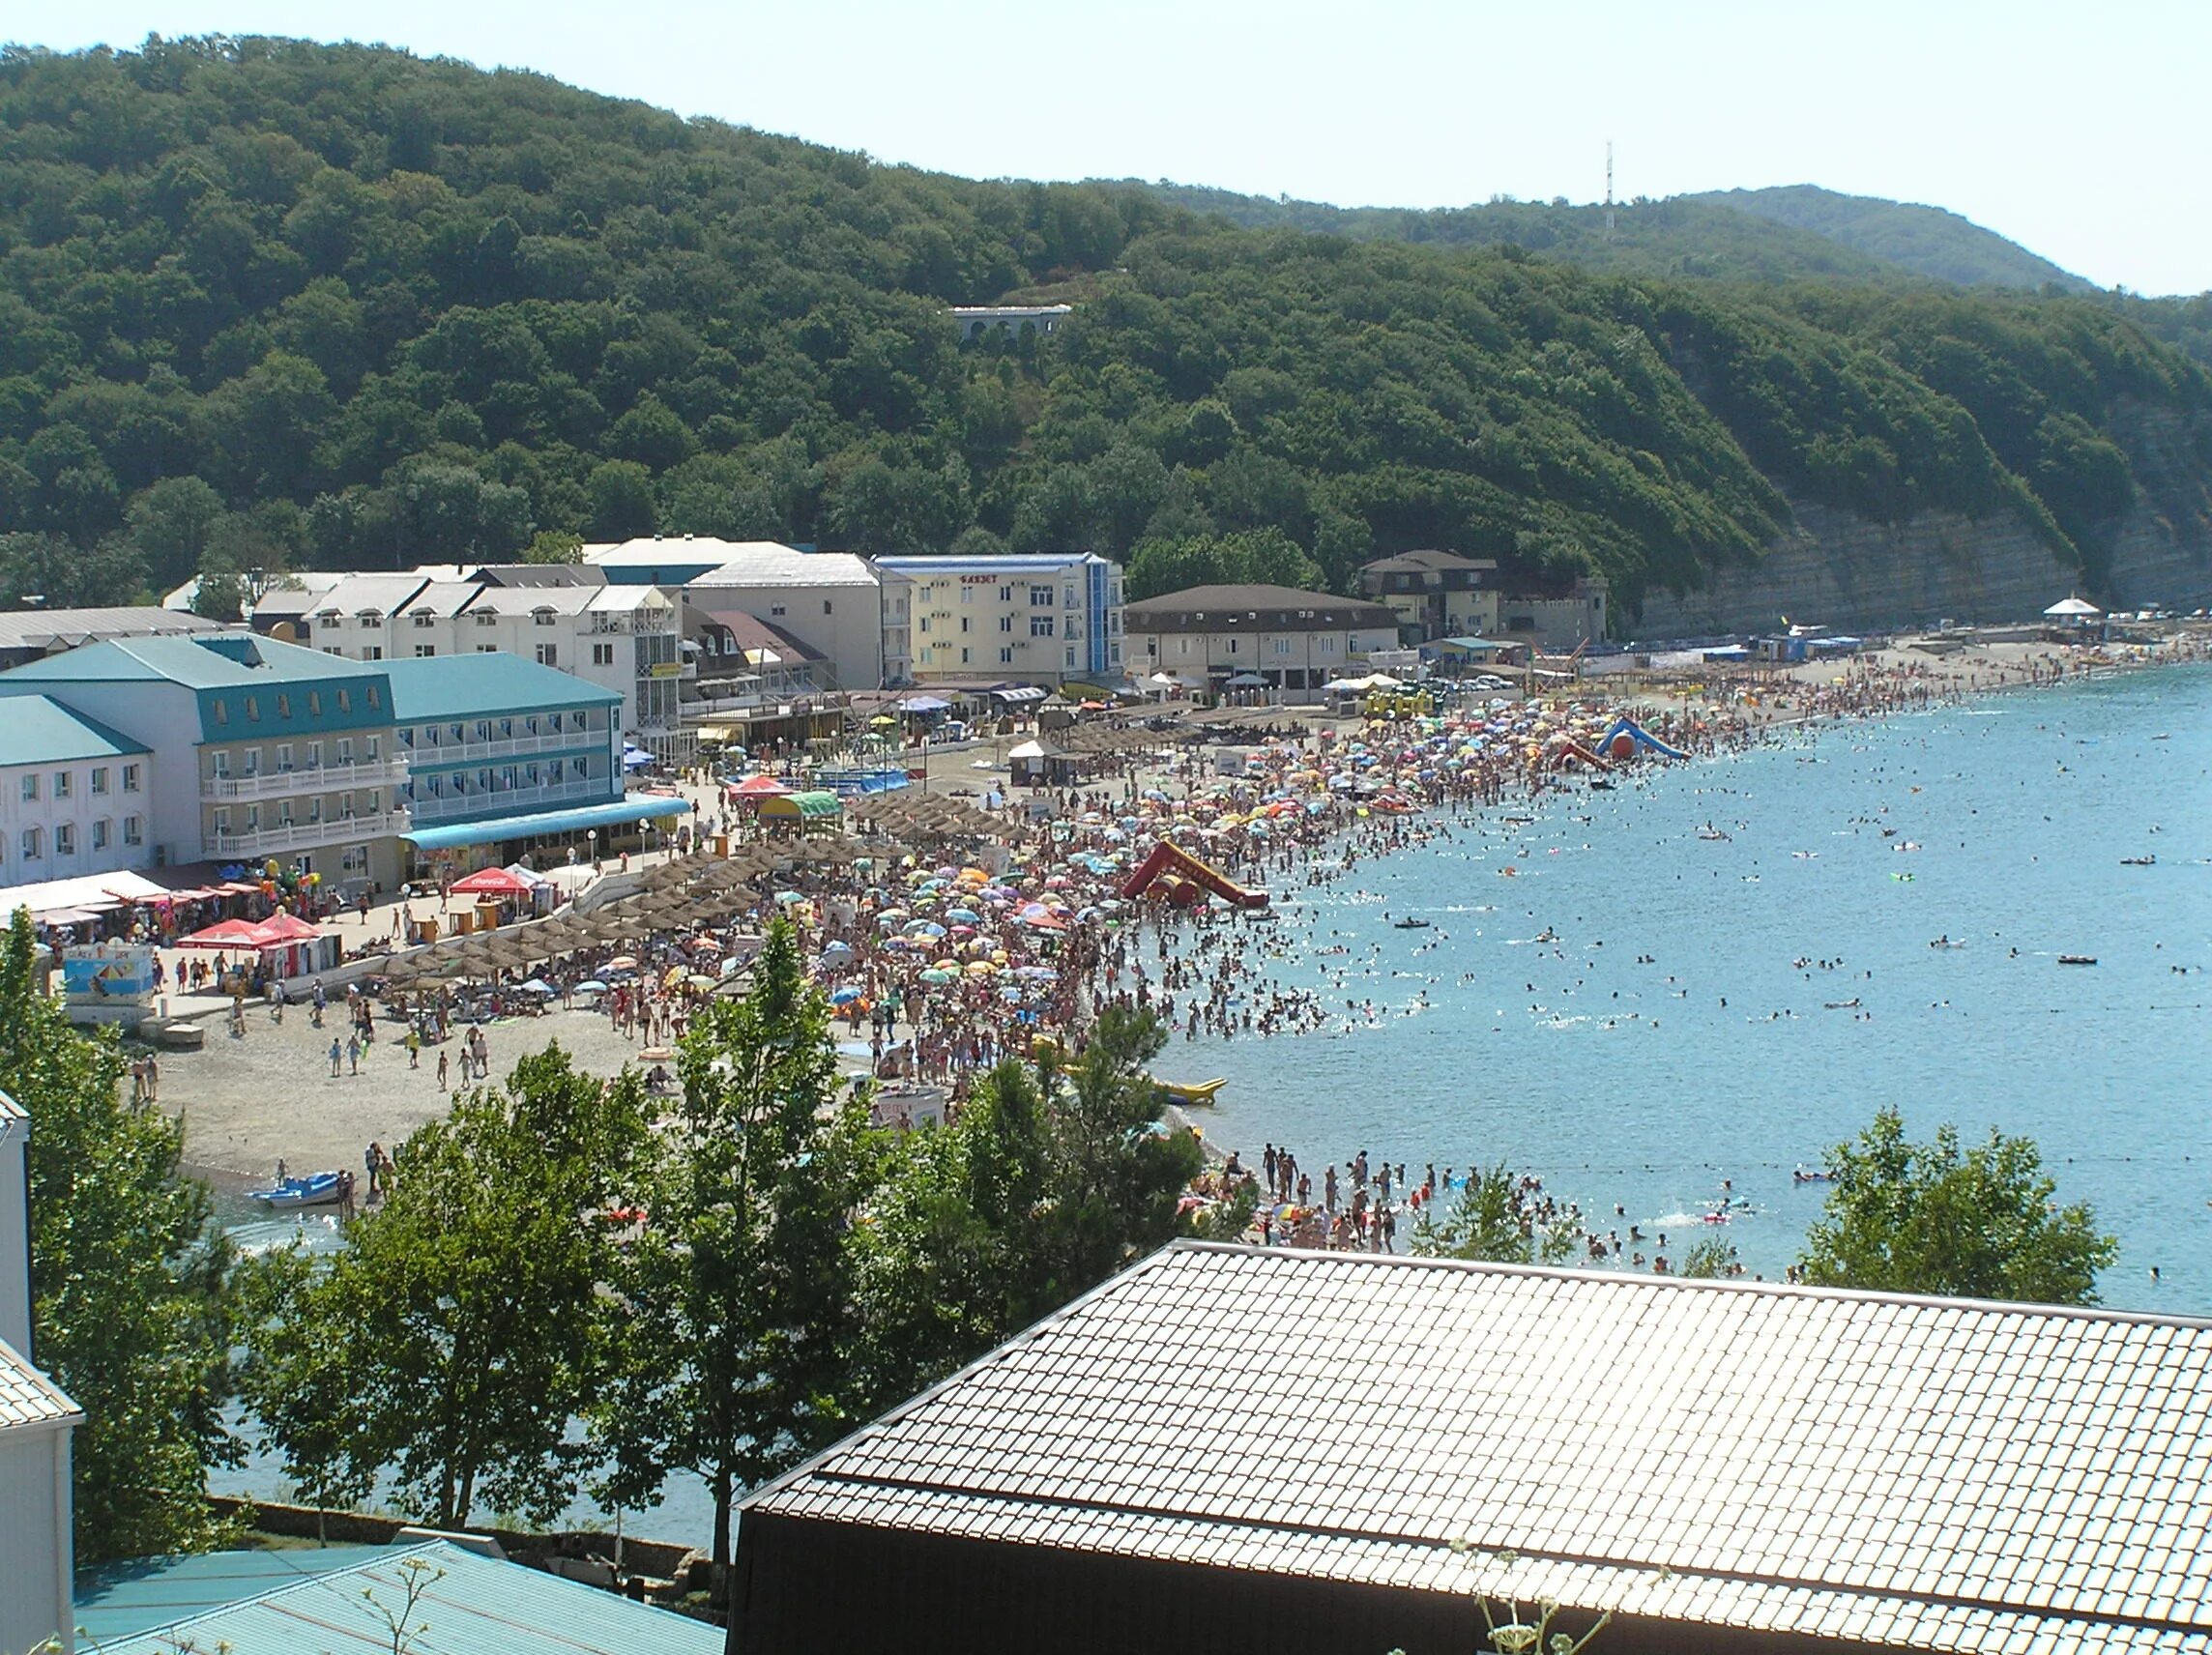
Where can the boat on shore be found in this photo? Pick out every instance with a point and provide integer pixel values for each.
(316, 1189)
(1200, 1093)
(2076, 959)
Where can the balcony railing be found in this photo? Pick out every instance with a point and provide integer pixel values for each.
(507, 747)
(312, 778)
(305, 835)
(524, 798)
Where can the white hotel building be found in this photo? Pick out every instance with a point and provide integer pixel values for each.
(1045, 619)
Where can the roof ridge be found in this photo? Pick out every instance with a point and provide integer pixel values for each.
(1617, 1278)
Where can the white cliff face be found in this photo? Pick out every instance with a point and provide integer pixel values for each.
(1835, 569)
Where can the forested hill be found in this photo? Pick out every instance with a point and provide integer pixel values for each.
(263, 300)
(1926, 241)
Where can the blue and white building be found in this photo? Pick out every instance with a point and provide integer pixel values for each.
(505, 756)
(1045, 619)
(253, 751)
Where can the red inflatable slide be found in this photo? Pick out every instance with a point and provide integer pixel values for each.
(1183, 871)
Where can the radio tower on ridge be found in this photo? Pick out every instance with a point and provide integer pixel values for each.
(1609, 189)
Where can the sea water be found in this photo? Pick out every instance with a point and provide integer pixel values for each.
(1679, 1031)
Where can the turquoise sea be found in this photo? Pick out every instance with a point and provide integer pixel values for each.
(1606, 1062)
(1670, 1037)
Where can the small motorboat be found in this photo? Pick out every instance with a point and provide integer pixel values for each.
(1411, 922)
(2076, 959)
(2138, 862)
(316, 1189)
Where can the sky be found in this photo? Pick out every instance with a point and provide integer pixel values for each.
(2074, 129)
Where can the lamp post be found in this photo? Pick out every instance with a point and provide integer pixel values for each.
(592, 841)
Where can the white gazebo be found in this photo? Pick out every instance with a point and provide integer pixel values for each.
(2077, 613)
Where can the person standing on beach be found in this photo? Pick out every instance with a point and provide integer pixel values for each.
(441, 1070)
(372, 1162)
(352, 1054)
(335, 1053)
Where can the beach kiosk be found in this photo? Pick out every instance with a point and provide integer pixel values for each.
(807, 812)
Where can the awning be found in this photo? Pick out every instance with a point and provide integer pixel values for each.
(1022, 692)
(807, 806)
(82, 897)
(923, 703)
(544, 823)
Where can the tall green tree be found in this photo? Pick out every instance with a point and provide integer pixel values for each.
(457, 1341)
(1935, 1218)
(130, 1280)
(736, 1300)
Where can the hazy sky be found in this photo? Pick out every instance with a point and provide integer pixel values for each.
(2076, 130)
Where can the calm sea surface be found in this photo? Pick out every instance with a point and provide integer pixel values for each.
(1677, 1030)
(1668, 1038)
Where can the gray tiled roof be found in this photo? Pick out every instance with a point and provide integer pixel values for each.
(1945, 1474)
(27, 1397)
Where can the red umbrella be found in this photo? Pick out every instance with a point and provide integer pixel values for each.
(759, 787)
(492, 882)
(229, 933)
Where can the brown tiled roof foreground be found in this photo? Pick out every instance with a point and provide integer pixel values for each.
(1943, 1475)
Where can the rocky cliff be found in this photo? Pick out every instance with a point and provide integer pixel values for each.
(1837, 569)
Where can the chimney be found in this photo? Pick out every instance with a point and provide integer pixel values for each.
(15, 1228)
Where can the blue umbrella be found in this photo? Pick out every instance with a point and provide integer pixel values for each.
(844, 996)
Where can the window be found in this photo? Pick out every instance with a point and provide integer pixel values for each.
(253, 761)
(1282, 646)
(1005, 654)
(314, 755)
(776, 610)
(1005, 623)
(602, 654)
(61, 784)
(65, 839)
(925, 623)
(548, 655)
(507, 729)
(963, 622)
(221, 711)
(1005, 595)
(1071, 658)
(345, 805)
(354, 860)
(284, 758)
(487, 618)
(370, 618)
(283, 813)
(373, 698)
(423, 618)
(487, 649)
(283, 707)
(422, 650)
(827, 610)
(483, 729)
(133, 831)
(253, 819)
(964, 657)
(223, 820)
(99, 780)
(345, 701)
(130, 778)
(373, 747)
(541, 617)
(1040, 597)
(33, 844)
(345, 749)
(1067, 597)
(1040, 626)
(577, 767)
(372, 652)
(219, 764)
(30, 788)
(407, 738)
(253, 709)
(314, 704)
(314, 808)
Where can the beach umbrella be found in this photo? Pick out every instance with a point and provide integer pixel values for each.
(785, 898)
(936, 974)
(591, 985)
(836, 950)
(963, 916)
(845, 995)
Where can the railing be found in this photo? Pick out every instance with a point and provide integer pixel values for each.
(508, 747)
(524, 798)
(312, 778)
(305, 835)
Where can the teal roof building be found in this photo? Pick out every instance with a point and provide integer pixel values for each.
(336, 1600)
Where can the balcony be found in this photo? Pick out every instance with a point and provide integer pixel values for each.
(508, 746)
(315, 778)
(303, 835)
(520, 799)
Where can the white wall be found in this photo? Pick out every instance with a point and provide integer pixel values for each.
(82, 811)
(166, 717)
(14, 1229)
(34, 1541)
(849, 633)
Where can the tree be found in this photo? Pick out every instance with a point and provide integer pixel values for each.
(458, 1338)
(130, 1280)
(1931, 1218)
(736, 1300)
(1500, 1218)
(554, 546)
(174, 524)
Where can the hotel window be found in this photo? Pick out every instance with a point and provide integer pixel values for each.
(373, 747)
(253, 709)
(424, 650)
(345, 749)
(370, 618)
(314, 755)
(284, 758)
(1005, 623)
(775, 611)
(30, 787)
(423, 618)
(827, 610)
(407, 738)
(130, 778)
(61, 784)
(548, 655)
(376, 803)
(221, 711)
(1040, 597)
(1005, 595)
(354, 860)
(253, 761)
(1005, 654)
(219, 763)
(541, 617)
(372, 652)
(345, 701)
(967, 594)
(577, 767)
(314, 704)
(487, 618)
(283, 813)
(345, 804)
(373, 697)
(133, 831)
(314, 808)
(602, 654)
(1067, 597)
(1040, 626)
(283, 707)
(65, 839)
(925, 623)
(964, 622)
(1071, 655)
(223, 822)
(964, 657)
(487, 649)
(507, 729)
(34, 845)
(253, 819)
(99, 779)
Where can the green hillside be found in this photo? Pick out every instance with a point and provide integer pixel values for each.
(265, 301)
(1926, 241)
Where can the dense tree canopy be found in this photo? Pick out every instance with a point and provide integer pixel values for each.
(267, 303)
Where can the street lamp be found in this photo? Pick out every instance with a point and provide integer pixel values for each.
(592, 841)
(645, 831)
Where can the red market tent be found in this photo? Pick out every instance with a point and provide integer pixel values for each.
(492, 882)
(287, 928)
(230, 934)
(758, 786)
